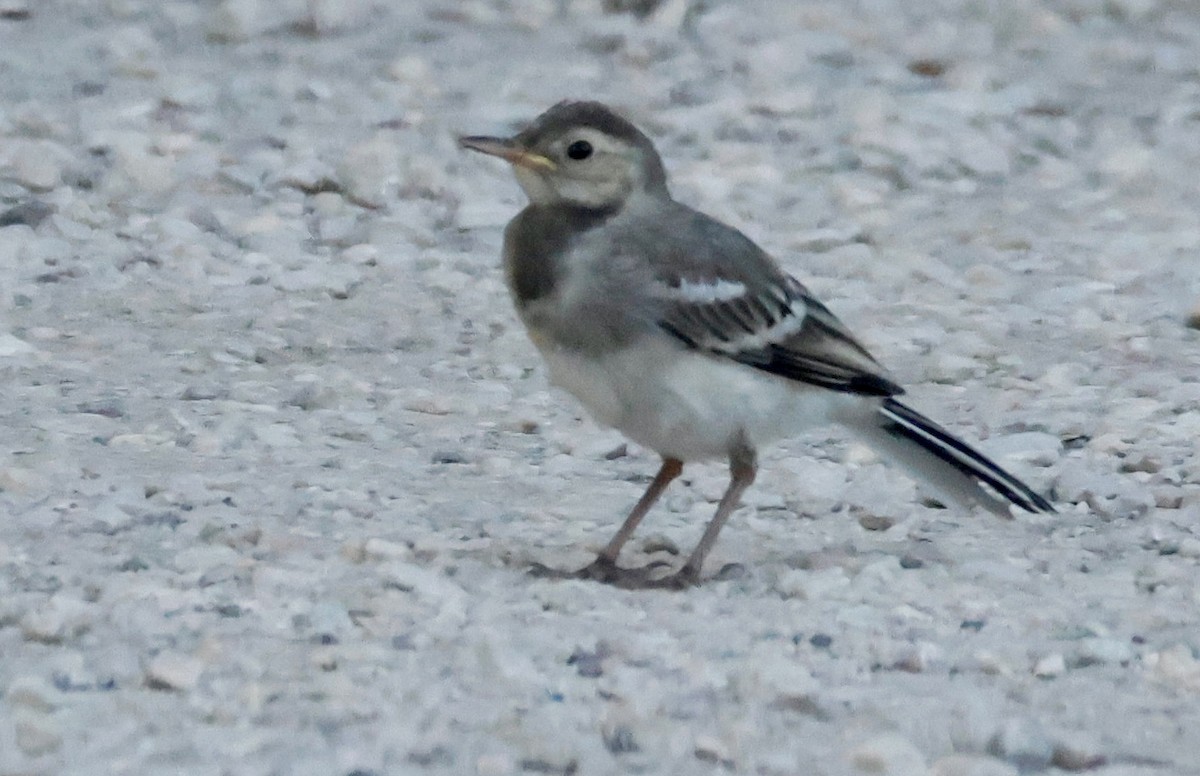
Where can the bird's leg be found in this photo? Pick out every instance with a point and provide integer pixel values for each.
(742, 470)
(604, 568)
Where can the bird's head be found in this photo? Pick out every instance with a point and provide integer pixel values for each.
(579, 154)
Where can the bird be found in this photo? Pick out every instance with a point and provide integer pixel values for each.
(687, 337)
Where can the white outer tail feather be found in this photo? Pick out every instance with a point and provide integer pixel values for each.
(951, 466)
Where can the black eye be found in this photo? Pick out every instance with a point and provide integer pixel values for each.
(579, 150)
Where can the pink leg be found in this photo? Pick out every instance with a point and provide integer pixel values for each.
(604, 568)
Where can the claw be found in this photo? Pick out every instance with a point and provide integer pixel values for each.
(542, 571)
(608, 572)
(681, 580)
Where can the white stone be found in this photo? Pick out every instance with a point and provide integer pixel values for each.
(1176, 667)
(812, 585)
(32, 692)
(330, 16)
(971, 765)
(1104, 651)
(134, 52)
(714, 750)
(38, 164)
(38, 734)
(18, 479)
(377, 549)
(330, 618)
(890, 754)
(1023, 743)
(238, 19)
(59, 619)
(174, 671)
(144, 171)
(110, 517)
(1050, 666)
(410, 69)
(14, 8)
(11, 346)
(204, 557)
(425, 402)
(1109, 495)
(1035, 447)
(368, 170)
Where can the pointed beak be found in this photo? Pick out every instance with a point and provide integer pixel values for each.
(508, 150)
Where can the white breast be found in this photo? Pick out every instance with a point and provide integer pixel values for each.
(689, 405)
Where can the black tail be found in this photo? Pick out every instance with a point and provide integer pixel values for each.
(906, 423)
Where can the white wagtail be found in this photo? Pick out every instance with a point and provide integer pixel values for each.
(687, 337)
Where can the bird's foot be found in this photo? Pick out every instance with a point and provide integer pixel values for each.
(686, 577)
(608, 572)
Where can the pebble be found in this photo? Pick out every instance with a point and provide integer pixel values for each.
(1023, 743)
(310, 175)
(32, 692)
(368, 170)
(15, 10)
(1131, 9)
(711, 749)
(110, 517)
(812, 585)
(1034, 447)
(891, 754)
(1176, 666)
(495, 765)
(920, 657)
(201, 558)
(59, 619)
(204, 392)
(971, 765)
(29, 213)
(544, 742)
(951, 368)
(329, 621)
(659, 542)
(38, 164)
(13, 347)
(821, 640)
(1193, 318)
(174, 671)
(1050, 666)
(376, 549)
(1111, 496)
(38, 734)
(427, 403)
(137, 170)
(310, 394)
(332, 16)
(234, 20)
(1101, 651)
(1078, 752)
(872, 522)
(134, 52)
(823, 240)
(20, 480)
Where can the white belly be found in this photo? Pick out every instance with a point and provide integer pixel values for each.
(688, 405)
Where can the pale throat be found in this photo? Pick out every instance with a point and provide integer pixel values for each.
(537, 188)
(590, 194)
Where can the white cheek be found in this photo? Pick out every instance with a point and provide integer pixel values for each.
(536, 187)
(591, 193)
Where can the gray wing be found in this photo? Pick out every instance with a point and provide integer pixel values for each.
(733, 300)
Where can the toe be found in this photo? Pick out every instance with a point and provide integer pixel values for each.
(542, 571)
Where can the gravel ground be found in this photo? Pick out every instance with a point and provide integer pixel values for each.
(277, 455)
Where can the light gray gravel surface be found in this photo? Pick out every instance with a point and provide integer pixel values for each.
(276, 455)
